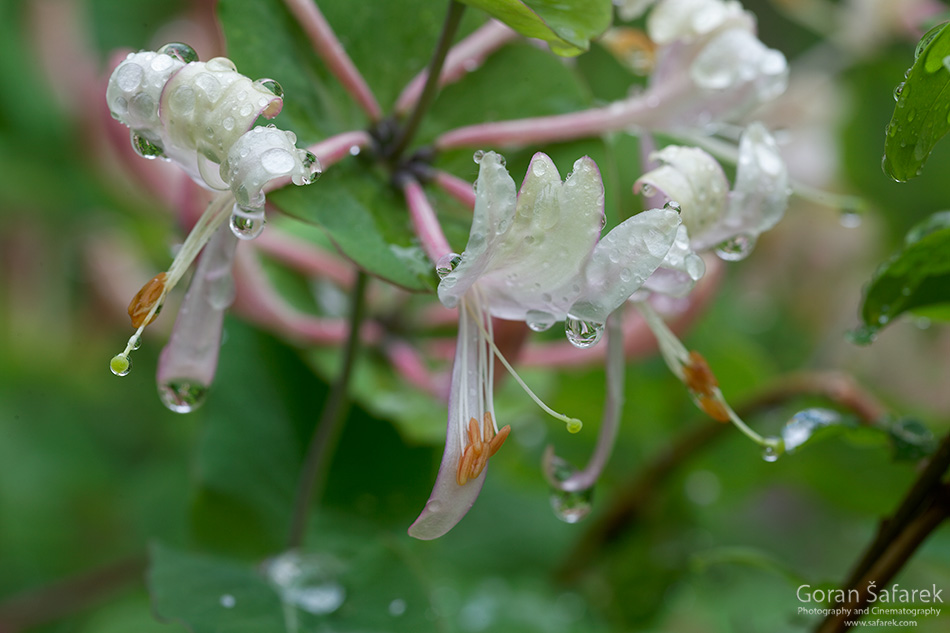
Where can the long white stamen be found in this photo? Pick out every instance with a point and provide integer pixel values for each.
(211, 219)
(573, 424)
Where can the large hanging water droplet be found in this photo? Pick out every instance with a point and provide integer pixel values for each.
(182, 396)
(539, 320)
(307, 581)
(270, 86)
(735, 249)
(571, 507)
(145, 148)
(247, 224)
(120, 365)
(312, 169)
(581, 333)
(770, 454)
(179, 51)
(447, 264)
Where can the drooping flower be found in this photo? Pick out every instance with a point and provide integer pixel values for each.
(533, 256)
(713, 216)
(200, 115)
(712, 47)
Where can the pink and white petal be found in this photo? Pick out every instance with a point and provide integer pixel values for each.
(680, 270)
(450, 502)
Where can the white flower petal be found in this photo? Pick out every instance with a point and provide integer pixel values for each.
(735, 60)
(470, 396)
(623, 261)
(680, 270)
(536, 253)
(694, 180)
(674, 20)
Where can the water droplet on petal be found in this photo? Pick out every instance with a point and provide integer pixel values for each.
(673, 205)
(447, 264)
(120, 365)
(179, 51)
(270, 86)
(312, 169)
(221, 64)
(478, 156)
(277, 161)
(582, 334)
(145, 148)
(538, 167)
(539, 320)
(182, 396)
(246, 228)
(736, 248)
(137, 343)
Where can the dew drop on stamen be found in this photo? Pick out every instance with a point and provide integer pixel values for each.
(182, 396)
(120, 365)
(247, 224)
(447, 264)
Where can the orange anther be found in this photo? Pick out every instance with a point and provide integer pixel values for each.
(713, 407)
(499, 439)
(145, 299)
(699, 377)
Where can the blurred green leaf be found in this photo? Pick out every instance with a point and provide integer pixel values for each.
(923, 104)
(917, 277)
(566, 25)
(366, 220)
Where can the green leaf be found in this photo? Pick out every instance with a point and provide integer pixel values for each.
(911, 440)
(915, 278)
(566, 25)
(922, 115)
(366, 220)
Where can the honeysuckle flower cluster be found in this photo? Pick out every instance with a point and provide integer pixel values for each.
(200, 115)
(534, 256)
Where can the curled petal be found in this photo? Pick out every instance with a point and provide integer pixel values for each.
(135, 89)
(735, 59)
(262, 155)
(694, 180)
(470, 397)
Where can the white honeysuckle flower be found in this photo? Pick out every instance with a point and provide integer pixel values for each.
(712, 44)
(201, 116)
(713, 216)
(632, 9)
(533, 256)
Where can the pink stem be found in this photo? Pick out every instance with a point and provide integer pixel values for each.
(464, 57)
(329, 151)
(258, 301)
(334, 149)
(461, 190)
(426, 225)
(328, 47)
(642, 110)
(407, 361)
(304, 257)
